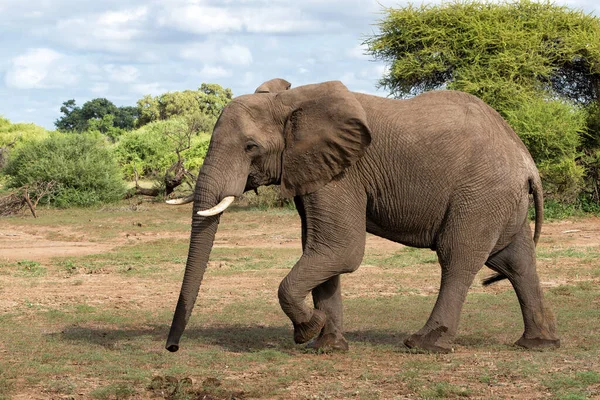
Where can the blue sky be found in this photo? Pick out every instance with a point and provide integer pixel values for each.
(56, 50)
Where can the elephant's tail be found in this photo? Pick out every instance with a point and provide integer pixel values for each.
(535, 188)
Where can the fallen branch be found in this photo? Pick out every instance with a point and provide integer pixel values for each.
(28, 195)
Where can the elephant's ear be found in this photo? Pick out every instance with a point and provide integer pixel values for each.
(273, 86)
(325, 133)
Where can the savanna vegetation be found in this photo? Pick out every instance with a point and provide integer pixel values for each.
(87, 296)
(536, 63)
(99, 147)
(87, 293)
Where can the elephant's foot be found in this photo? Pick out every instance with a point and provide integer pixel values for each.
(329, 342)
(307, 330)
(435, 341)
(538, 343)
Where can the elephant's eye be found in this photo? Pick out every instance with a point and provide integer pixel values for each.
(251, 146)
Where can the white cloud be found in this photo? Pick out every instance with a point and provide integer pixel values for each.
(112, 30)
(380, 70)
(201, 19)
(213, 51)
(100, 88)
(40, 68)
(236, 55)
(358, 52)
(122, 73)
(214, 72)
(152, 88)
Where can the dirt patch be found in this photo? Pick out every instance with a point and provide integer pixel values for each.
(44, 243)
(120, 308)
(577, 232)
(16, 245)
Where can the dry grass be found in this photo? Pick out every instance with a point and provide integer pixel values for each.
(94, 325)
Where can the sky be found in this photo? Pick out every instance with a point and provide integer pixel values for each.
(56, 50)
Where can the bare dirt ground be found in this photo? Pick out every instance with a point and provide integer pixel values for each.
(17, 245)
(45, 243)
(38, 245)
(117, 291)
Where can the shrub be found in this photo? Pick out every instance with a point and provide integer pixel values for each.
(268, 197)
(13, 135)
(83, 167)
(551, 130)
(151, 150)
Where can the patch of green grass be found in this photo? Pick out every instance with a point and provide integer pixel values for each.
(30, 268)
(115, 391)
(444, 390)
(573, 385)
(6, 386)
(139, 259)
(571, 290)
(405, 257)
(585, 254)
(233, 260)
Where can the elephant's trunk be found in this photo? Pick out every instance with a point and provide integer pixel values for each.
(201, 241)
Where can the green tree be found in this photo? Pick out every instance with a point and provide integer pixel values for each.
(98, 114)
(154, 148)
(204, 105)
(538, 64)
(72, 120)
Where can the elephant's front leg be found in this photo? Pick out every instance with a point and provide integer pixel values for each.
(321, 275)
(333, 243)
(327, 297)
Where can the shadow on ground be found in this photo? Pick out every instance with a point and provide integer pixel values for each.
(235, 338)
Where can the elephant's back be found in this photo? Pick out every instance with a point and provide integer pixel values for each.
(434, 151)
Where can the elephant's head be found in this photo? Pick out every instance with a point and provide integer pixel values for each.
(297, 138)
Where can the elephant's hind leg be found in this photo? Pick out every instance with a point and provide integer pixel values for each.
(440, 329)
(517, 263)
(462, 250)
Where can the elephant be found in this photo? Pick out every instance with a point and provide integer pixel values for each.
(441, 170)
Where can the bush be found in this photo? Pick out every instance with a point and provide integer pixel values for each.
(551, 130)
(13, 135)
(83, 167)
(151, 149)
(268, 197)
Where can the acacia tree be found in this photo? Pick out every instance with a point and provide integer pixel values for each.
(538, 64)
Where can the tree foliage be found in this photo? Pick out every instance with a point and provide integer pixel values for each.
(204, 105)
(98, 114)
(537, 63)
(13, 135)
(83, 168)
(151, 150)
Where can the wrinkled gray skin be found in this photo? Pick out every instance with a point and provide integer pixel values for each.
(440, 171)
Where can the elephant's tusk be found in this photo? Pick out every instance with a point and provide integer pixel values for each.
(183, 200)
(219, 208)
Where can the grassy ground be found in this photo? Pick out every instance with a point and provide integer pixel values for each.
(94, 325)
